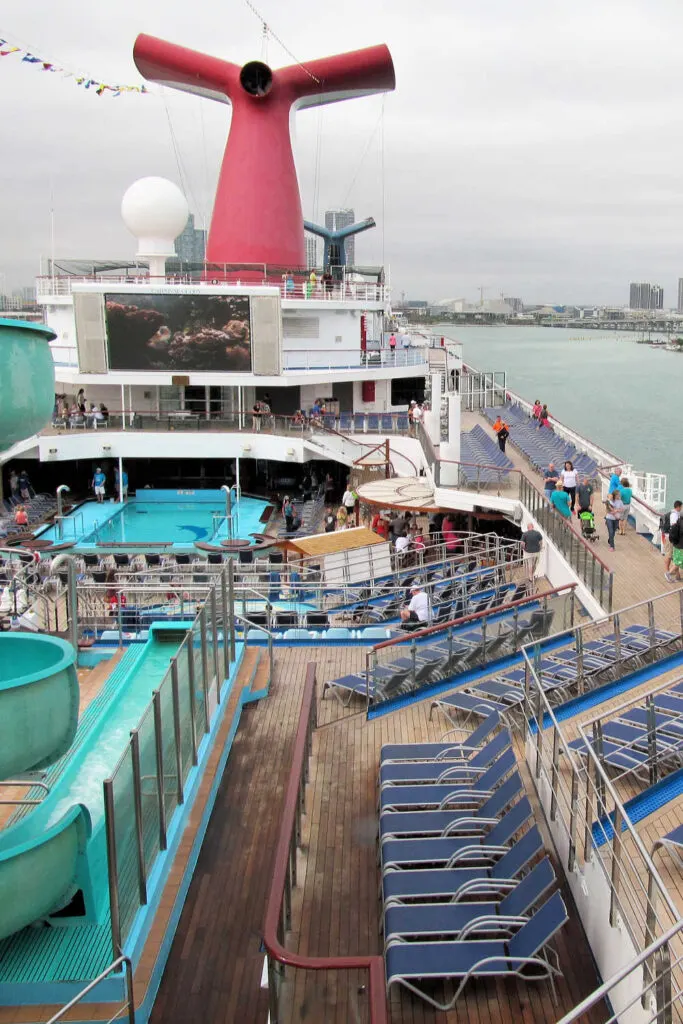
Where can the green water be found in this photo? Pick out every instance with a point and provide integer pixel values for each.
(624, 396)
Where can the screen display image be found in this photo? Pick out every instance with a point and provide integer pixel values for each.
(180, 333)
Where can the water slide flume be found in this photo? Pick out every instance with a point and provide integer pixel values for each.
(39, 700)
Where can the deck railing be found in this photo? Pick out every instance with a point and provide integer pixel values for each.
(662, 1004)
(219, 420)
(278, 920)
(129, 1005)
(147, 786)
(583, 559)
(592, 831)
(561, 602)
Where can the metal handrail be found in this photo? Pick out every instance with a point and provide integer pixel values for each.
(279, 896)
(602, 991)
(130, 1002)
(212, 672)
(522, 476)
(597, 783)
(418, 634)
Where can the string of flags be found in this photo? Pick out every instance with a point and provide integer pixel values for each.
(99, 88)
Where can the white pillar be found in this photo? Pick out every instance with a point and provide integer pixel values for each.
(432, 418)
(120, 479)
(123, 406)
(238, 489)
(451, 449)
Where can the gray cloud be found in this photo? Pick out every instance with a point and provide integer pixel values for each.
(532, 148)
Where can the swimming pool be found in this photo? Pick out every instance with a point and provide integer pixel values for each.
(173, 517)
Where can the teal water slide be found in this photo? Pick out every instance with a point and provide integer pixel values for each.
(39, 698)
(57, 849)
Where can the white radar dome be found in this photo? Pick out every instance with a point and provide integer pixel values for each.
(155, 211)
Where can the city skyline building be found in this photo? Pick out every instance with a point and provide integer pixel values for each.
(644, 295)
(342, 218)
(679, 307)
(190, 245)
(311, 252)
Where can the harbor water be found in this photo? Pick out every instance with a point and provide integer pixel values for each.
(622, 395)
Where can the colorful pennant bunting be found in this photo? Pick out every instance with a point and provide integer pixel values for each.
(100, 88)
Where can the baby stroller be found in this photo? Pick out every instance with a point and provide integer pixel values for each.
(587, 520)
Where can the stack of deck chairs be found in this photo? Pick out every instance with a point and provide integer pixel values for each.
(541, 445)
(466, 885)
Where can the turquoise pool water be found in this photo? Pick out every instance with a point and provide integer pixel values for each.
(139, 521)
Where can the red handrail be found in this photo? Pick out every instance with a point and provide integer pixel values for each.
(374, 964)
(428, 630)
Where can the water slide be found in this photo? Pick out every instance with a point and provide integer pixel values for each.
(39, 698)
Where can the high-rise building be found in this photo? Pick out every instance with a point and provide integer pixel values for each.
(190, 246)
(311, 252)
(336, 219)
(643, 295)
(516, 305)
(680, 295)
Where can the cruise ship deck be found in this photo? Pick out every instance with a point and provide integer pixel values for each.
(216, 963)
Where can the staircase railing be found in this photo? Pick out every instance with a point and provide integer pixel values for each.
(279, 906)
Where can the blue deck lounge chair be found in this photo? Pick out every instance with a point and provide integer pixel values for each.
(422, 884)
(349, 686)
(434, 771)
(436, 751)
(412, 920)
(450, 822)
(623, 759)
(523, 956)
(469, 704)
(673, 843)
(663, 723)
(451, 851)
(468, 792)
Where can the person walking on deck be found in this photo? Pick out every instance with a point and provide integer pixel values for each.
(614, 482)
(615, 507)
(559, 499)
(676, 540)
(532, 542)
(502, 433)
(569, 482)
(666, 523)
(288, 514)
(98, 483)
(550, 478)
(626, 492)
(349, 501)
(584, 495)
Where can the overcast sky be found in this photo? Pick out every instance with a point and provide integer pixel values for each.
(532, 148)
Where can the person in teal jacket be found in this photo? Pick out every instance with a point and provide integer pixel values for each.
(559, 499)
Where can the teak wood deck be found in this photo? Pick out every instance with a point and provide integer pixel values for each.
(214, 972)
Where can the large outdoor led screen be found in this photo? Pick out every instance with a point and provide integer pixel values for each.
(180, 333)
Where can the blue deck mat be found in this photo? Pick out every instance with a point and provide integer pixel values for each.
(641, 806)
(602, 693)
